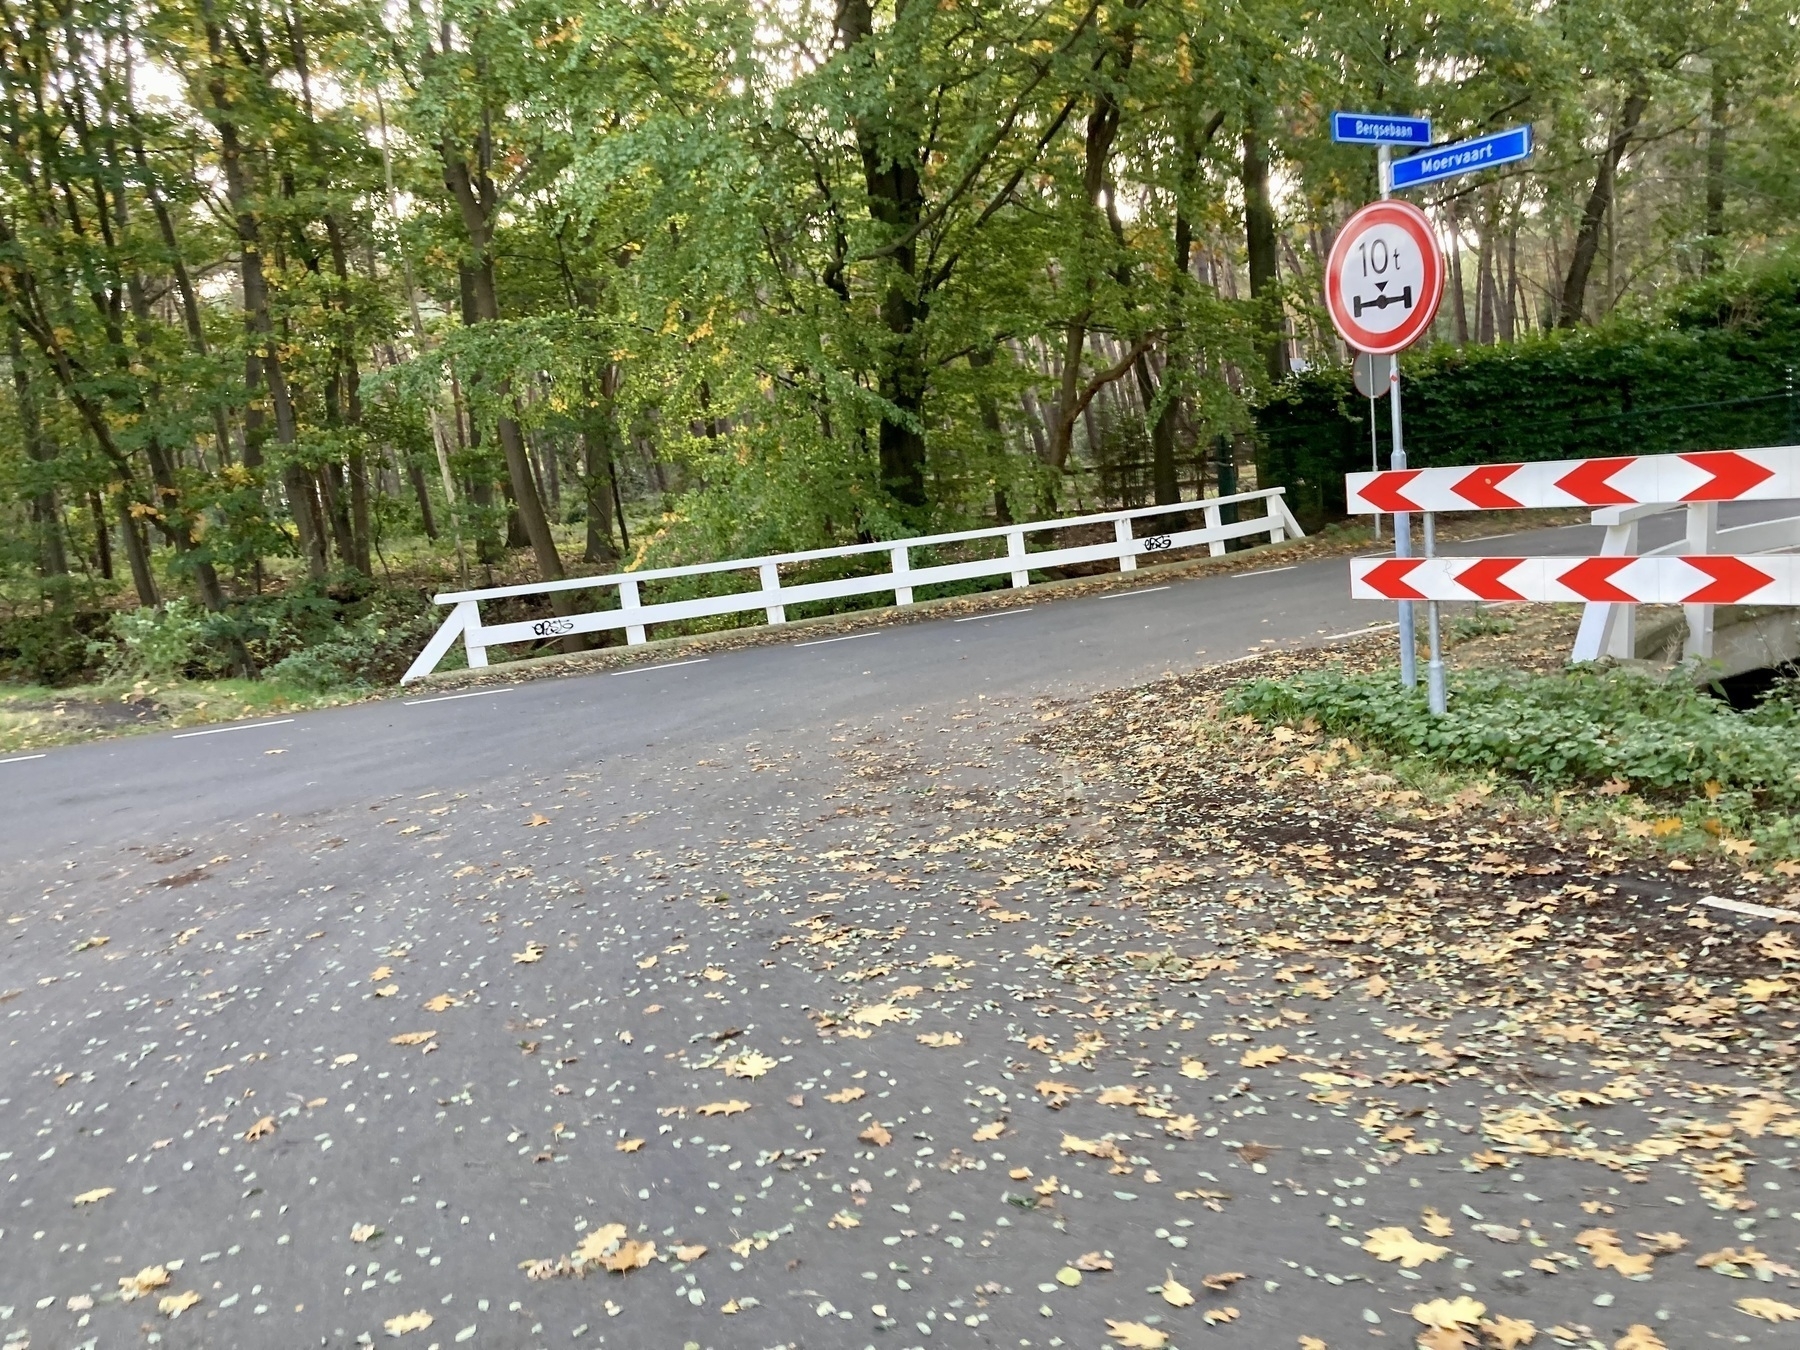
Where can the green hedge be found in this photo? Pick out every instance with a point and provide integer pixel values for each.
(1715, 368)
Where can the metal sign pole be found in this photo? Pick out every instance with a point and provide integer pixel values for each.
(1409, 673)
(1409, 661)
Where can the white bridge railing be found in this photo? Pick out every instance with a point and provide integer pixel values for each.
(772, 597)
(1611, 629)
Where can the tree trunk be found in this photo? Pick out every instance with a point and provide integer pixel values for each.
(1259, 241)
(102, 536)
(599, 444)
(1459, 306)
(1599, 207)
(1712, 252)
(473, 202)
(46, 517)
(891, 176)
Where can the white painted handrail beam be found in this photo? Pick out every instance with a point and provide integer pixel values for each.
(902, 577)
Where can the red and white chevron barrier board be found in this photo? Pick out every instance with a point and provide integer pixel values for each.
(1709, 476)
(1715, 580)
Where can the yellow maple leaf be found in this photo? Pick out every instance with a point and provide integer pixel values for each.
(1120, 1096)
(844, 1219)
(1264, 1056)
(1639, 1337)
(412, 1321)
(537, 820)
(534, 951)
(628, 1145)
(1398, 1244)
(1434, 1223)
(441, 1003)
(750, 1064)
(1136, 1336)
(879, 1014)
(94, 1196)
(411, 1038)
(1176, 1294)
(1054, 1093)
(261, 1130)
(1193, 1068)
(691, 1252)
(600, 1241)
(1450, 1313)
(136, 1286)
(941, 1040)
(1216, 1316)
(877, 1134)
(992, 1130)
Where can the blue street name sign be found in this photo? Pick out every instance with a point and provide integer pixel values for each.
(1447, 161)
(1354, 128)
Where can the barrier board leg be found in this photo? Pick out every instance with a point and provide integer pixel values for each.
(1015, 550)
(458, 619)
(1702, 538)
(1127, 558)
(628, 600)
(901, 565)
(771, 584)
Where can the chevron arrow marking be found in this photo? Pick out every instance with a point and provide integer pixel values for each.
(1731, 476)
(1586, 482)
(1383, 492)
(1482, 578)
(1390, 578)
(1731, 580)
(1480, 487)
(1591, 579)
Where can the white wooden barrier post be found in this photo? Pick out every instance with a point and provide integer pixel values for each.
(1702, 538)
(774, 598)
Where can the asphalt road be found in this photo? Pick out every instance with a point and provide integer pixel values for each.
(354, 1017)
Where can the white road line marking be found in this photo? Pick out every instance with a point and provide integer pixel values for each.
(1141, 590)
(668, 665)
(445, 698)
(1358, 632)
(239, 726)
(820, 642)
(19, 759)
(1745, 907)
(997, 614)
(1266, 572)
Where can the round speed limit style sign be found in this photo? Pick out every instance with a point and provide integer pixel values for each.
(1384, 278)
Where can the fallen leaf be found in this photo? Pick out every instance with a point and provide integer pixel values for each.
(534, 951)
(412, 1321)
(1312, 1343)
(1398, 1244)
(1222, 1281)
(261, 1130)
(1639, 1337)
(1510, 1332)
(1434, 1223)
(879, 1014)
(1136, 1336)
(93, 1197)
(941, 1040)
(1120, 1096)
(441, 1003)
(596, 1244)
(411, 1038)
(1769, 1309)
(1217, 1316)
(136, 1286)
(629, 1256)
(877, 1134)
(1193, 1068)
(1093, 1261)
(363, 1232)
(730, 1108)
(1056, 1094)
(173, 1305)
(1461, 1311)
(1263, 1057)
(991, 1131)
(848, 1094)
(689, 1253)
(844, 1219)
(750, 1064)
(628, 1145)
(536, 820)
(1761, 991)
(1068, 1276)
(1176, 1294)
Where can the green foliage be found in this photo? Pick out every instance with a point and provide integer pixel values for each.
(1586, 726)
(156, 644)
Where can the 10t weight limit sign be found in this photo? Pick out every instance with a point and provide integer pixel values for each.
(1384, 278)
